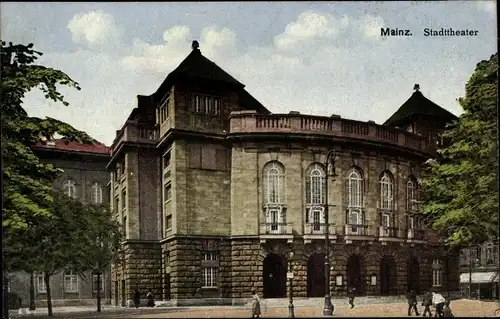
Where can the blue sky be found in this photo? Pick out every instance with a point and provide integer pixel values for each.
(317, 58)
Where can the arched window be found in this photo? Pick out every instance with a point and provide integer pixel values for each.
(69, 188)
(437, 273)
(96, 195)
(315, 195)
(411, 195)
(315, 185)
(355, 181)
(386, 192)
(274, 197)
(274, 179)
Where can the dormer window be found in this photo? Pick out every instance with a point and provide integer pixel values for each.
(206, 104)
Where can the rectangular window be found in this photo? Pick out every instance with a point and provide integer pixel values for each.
(273, 220)
(437, 277)
(316, 220)
(206, 104)
(40, 284)
(117, 205)
(96, 284)
(166, 159)
(124, 226)
(386, 220)
(124, 199)
(70, 282)
(167, 191)
(355, 218)
(209, 269)
(168, 222)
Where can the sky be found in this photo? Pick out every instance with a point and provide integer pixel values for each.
(318, 58)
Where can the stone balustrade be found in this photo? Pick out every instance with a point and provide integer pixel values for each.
(244, 122)
(136, 133)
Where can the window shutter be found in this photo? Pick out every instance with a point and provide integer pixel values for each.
(307, 214)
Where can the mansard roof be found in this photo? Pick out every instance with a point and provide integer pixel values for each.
(416, 105)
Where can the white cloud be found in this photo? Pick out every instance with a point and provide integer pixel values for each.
(94, 28)
(323, 74)
(370, 26)
(310, 26)
(488, 6)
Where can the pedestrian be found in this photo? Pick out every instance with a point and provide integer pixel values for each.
(447, 313)
(151, 300)
(137, 298)
(255, 305)
(426, 303)
(438, 301)
(351, 294)
(412, 302)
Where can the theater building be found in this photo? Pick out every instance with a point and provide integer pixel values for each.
(214, 191)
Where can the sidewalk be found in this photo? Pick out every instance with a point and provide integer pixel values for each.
(82, 311)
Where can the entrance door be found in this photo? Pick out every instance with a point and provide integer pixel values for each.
(316, 276)
(387, 276)
(124, 297)
(274, 276)
(355, 274)
(413, 278)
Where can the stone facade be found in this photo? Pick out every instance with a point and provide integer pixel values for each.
(84, 165)
(197, 222)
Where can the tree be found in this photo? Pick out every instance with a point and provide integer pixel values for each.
(103, 244)
(460, 187)
(62, 238)
(26, 182)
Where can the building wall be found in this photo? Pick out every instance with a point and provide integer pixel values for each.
(247, 192)
(84, 171)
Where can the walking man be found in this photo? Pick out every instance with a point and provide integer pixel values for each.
(438, 300)
(350, 294)
(137, 298)
(412, 302)
(427, 302)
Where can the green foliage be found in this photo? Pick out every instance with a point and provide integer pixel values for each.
(27, 181)
(75, 236)
(460, 188)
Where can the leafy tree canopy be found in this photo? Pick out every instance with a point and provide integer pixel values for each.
(460, 187)
(27, 182)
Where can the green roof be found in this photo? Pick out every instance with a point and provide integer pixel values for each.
(416, 105)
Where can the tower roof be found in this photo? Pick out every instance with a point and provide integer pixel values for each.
(195, 65)
(418, 104)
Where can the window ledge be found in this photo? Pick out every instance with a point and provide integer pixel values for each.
(209, 288)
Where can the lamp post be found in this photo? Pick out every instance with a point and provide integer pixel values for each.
(291, 310)
(328, 306)
(472, 264)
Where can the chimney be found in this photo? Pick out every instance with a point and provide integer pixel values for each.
(195, 45)
(416, 87)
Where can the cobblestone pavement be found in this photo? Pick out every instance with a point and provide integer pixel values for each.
(460, 308)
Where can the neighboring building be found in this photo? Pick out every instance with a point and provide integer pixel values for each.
(479, 269)
(213, 192)
(84, 177)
